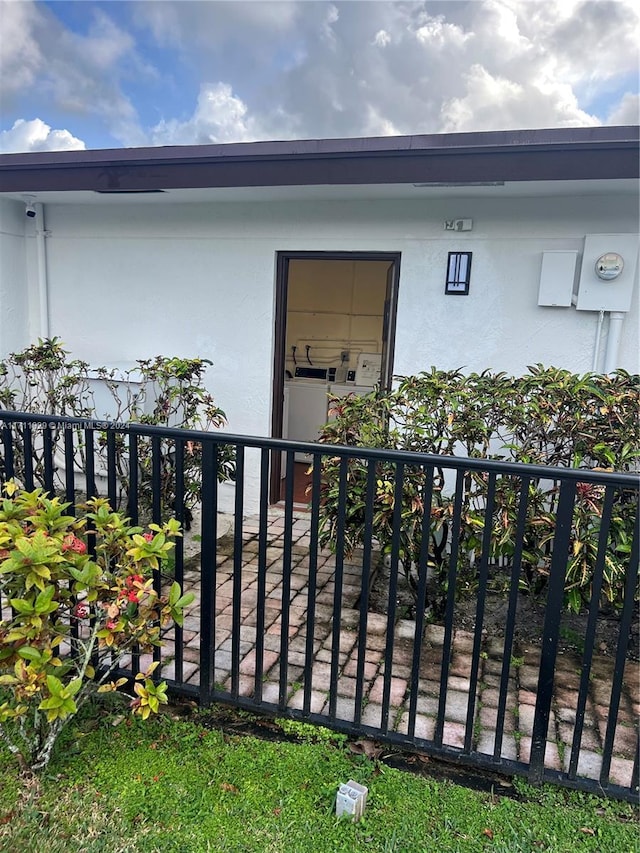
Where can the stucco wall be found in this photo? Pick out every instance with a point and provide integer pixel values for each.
(499, 324)
(14, 332)
(132, 280)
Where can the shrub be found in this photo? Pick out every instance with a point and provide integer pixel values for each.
(168, 392)
(77, 594)
(162, 391)
(547, 417)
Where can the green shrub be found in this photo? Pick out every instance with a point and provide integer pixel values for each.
(548, 417)
(77, 595)
(160, 391)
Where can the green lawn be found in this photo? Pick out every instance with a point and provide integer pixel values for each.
(169, 785)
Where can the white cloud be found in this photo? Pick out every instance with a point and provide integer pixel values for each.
(436, 33)
(20, 55)
(381, 38)
(189, 25)
(105, 44)
(626, 111)
(490, 64)
(277, 70)
(70, 73)
(332, 17)
(219, 116)
(584, 39)
(36, 135)
(518, 105)
(377, 125)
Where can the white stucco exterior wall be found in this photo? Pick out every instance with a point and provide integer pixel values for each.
(134, 280)
(499, 325)
(130, 281)
(14, 332)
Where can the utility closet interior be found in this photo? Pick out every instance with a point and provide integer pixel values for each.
(334, 337)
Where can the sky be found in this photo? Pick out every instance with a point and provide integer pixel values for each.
(114, 74)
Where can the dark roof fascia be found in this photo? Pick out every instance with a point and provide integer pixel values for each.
(553, 154)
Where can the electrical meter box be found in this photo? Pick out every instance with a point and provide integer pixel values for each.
(612, 293)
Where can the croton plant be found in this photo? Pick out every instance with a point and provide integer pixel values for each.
(77, 594)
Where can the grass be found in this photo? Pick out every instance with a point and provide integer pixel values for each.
(176, 787)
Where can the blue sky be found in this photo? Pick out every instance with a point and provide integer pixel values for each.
(123, 74)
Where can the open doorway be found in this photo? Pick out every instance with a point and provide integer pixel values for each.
(335, 325)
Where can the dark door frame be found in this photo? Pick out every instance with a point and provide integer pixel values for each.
(280, 329)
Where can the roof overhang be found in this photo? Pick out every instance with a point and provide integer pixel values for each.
(561, 154)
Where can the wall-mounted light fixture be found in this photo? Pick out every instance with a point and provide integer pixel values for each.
(458, 273)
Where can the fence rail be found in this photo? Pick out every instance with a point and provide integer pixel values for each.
(285, 626)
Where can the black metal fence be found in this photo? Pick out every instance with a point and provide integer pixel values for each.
(284, 626)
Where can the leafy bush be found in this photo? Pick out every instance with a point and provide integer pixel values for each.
(160, 391)
(547, 417)
(169, 392)
(77, 594)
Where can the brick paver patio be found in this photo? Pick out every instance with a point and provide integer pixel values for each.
(523, 672)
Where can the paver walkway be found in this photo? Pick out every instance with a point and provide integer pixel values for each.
(523, 672)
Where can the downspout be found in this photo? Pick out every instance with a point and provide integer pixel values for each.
(41, 262)
(616, 319)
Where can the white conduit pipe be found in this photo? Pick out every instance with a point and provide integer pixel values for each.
(41, 261)
(596, 348)
(616, 319)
